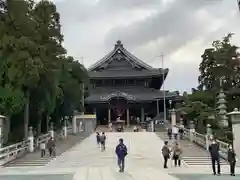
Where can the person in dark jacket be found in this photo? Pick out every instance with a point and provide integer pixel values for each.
(214, 152)
(98, 137)
(121, 152)
(169, 132)
(231, 160)
(103, 141)
(165, 153)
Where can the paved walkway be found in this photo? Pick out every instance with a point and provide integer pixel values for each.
(34, 159)
(85, 161)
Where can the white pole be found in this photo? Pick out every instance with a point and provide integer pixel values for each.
(164, 96)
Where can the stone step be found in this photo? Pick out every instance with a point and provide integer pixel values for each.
(30, 162)
(200, 161)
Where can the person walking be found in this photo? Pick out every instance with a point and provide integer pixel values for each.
(175, 132)
(169, 133)
(50, 146)
(166, 154)
(177, 153)
(231, 160)
(43, 149)
(103, 141)
(98, 138)
(121, 152)
(214, 152)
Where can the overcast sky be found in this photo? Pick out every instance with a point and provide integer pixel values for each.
(181, 29)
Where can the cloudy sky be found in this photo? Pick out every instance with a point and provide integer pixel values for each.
(181, 29)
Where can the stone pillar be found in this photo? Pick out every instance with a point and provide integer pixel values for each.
(74, 123)
(173, 117)
(192, 130)
(142, 114)
(51, 130)
(235, 119)
(109, 115)
(208, 135)
(65, 128)
(31, 139)
(128, 123)
(1, 130)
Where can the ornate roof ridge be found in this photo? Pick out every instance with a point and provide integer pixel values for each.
(119, 46)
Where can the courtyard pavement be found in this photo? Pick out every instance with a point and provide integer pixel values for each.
(85, 161)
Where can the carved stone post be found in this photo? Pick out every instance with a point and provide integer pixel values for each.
(74, 123)
(208, 135)
(173, 117)
(31, 139)
(65, 127)
(51, 130)
(235, 118)
(192, 130)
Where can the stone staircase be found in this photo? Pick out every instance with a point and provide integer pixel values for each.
(34, 159)
(193, 155)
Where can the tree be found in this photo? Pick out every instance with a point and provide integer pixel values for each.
(220, 61)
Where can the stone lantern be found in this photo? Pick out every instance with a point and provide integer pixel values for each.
(235, 119)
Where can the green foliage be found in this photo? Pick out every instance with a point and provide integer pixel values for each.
(34, 69)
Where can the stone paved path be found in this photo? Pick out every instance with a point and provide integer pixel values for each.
(193, 155)
(85, 161)
(34, 159)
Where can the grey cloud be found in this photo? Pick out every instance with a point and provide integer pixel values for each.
(175, 26)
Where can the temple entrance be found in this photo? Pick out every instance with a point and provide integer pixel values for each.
(118, 109)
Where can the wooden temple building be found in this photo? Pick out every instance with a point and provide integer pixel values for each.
(126, 87)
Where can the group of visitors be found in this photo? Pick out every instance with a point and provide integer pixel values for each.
(101, 140)
(121, 149)
(175, 152)
(175, 132)
(215, 157)
(51, 146)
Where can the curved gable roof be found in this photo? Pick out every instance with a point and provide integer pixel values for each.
(130, 56)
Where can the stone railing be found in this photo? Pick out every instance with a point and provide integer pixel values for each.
(11, 152)
(204, 141)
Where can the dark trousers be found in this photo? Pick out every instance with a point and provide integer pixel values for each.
(43, 152)
(175, 136)
(121, 164)
(177, 161)
(165, 161)
(50, 150)
(103, 147)
(214, 161)
(170, 136)
(232, 167)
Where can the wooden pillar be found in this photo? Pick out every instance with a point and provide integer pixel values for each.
(142, 114)
(109, 115)
(128, 123)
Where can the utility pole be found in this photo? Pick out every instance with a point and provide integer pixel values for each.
(163, 88)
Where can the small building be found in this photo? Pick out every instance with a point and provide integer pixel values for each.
(126, 87)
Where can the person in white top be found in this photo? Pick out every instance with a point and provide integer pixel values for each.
(175, 132)
(43, 148)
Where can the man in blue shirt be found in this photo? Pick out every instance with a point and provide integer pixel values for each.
(121, 152)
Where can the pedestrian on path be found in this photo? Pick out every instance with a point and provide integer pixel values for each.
(103, 141)
(177, 154)
(175, 132)
(166, 154)
(214, 152)
(110, 127)
(50, 146)
(43, 149)
(121, 152)
(169, 132)
(231, 160)
(98, 138)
